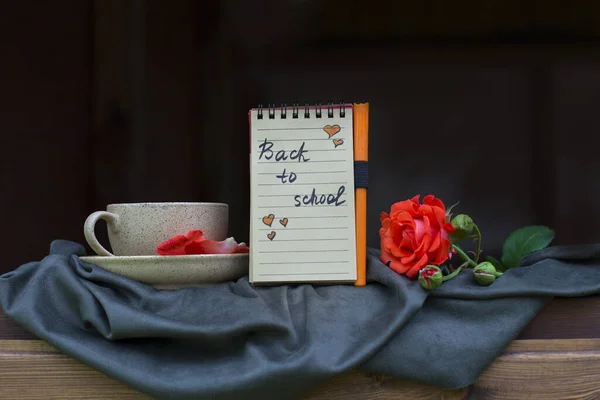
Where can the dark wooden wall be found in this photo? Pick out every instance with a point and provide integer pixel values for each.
(490, 103)
(45, 123)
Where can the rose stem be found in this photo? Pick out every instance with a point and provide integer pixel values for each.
(453, 274)
(464, 256)
(478, 243)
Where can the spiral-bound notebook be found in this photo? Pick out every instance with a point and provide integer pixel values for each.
(302, 183)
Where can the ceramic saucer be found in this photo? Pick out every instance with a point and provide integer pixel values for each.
(172, 272)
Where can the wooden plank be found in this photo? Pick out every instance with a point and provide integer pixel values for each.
(146, 101)
(114, 110)
(41, 376)
(355, 385)
(9, 329)
(549, 375)
(553, 345)
(111, 74)
(437, 19)
(45, 103)
(566, 318)
(517, 346)
(26, 346)
(223, 92)
(529, 369)
(166, 144)
(325, 55)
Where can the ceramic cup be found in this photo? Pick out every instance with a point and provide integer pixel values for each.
(136, 229)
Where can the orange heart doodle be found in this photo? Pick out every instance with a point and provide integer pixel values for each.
(268, 220)
(271, 235)
(332, 130)
(338, 142)
(283, 221)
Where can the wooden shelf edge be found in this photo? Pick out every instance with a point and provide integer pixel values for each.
(517, 346)
(528, 369)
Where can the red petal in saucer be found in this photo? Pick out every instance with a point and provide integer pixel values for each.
(176, 246)
(227, 246)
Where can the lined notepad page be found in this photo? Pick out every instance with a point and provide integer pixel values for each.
(302, 197)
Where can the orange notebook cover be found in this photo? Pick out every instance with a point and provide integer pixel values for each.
(361, 157)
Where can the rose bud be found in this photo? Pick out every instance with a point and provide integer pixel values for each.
(430, 277)
(485, 273)
(463, 227)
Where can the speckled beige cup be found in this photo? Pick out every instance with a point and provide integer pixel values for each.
(136, 229)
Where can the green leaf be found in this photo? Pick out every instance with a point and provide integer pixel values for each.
(496, 263)
(524, 241)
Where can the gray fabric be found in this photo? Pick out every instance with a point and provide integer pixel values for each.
(234, 341)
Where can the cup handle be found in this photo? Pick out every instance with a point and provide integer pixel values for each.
(89, 230)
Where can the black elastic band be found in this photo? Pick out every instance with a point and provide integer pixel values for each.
(361, 174)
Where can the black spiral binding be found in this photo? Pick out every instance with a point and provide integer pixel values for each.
(295, 108)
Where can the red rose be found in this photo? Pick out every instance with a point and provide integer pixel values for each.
(195, 243)
(414, 235)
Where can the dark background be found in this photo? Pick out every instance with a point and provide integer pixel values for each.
(490, 103)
